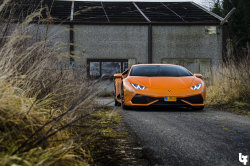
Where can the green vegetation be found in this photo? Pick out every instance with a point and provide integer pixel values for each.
(229, 86)
(109, 142)
(238, 25)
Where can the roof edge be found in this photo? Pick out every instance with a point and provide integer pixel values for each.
(125, 0)
(136, 23)
(204, 9)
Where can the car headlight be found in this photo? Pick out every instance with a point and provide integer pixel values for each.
(196, 87)
(138, 86)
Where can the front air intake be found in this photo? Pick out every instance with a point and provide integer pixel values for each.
(194, 99)
(140, 99)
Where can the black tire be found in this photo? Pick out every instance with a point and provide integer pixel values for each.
(200, 108)
(122, 99)
(116, 102)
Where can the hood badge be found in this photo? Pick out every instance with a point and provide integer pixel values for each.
(169, 90)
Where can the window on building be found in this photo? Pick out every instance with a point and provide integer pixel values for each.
(106, 67)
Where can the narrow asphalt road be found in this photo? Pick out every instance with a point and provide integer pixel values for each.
(179, 137)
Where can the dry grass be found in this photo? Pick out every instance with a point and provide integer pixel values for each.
(17, 126)
(230, 84)
(39, 100)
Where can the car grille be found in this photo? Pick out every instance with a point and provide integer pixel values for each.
(161, 102)
(140, 99)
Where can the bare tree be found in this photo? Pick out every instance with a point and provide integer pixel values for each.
(209, 3)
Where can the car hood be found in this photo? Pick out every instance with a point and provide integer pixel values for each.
(163, 82)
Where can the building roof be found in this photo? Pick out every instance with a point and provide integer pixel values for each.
(94, 12)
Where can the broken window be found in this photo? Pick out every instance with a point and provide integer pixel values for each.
(106, 67)
(110, 68)
(94, 69)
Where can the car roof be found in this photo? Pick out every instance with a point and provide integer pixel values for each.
(157, 64)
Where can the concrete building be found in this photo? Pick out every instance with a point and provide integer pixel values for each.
(107, 37)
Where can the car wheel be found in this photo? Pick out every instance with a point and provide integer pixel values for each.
(116, 102)
(122, 98)
(198, 108)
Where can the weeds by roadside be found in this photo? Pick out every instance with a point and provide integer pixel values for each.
(229, 86)
(110, 143)
(17, 126)
(39, 101)
(47, 114)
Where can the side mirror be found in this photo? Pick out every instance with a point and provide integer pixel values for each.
(198, 75)
(117, 75)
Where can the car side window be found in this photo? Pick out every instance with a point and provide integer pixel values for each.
(125, 73)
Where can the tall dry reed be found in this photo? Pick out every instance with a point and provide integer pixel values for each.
(230, 83)
(39, 99)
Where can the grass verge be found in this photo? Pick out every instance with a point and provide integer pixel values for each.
(229, 87)
(40, 100)
(109, 142)
(19, 118)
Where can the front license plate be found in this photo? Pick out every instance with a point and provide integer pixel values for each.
(170, 98)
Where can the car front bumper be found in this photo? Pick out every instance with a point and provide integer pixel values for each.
(155, 97)
(141, 100)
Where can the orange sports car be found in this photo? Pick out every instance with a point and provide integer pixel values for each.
(159, 85)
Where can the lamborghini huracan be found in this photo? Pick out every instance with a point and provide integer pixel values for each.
(159, 85)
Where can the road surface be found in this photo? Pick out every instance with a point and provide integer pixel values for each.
(182, 137)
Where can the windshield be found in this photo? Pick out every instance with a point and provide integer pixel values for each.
(159, 71)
